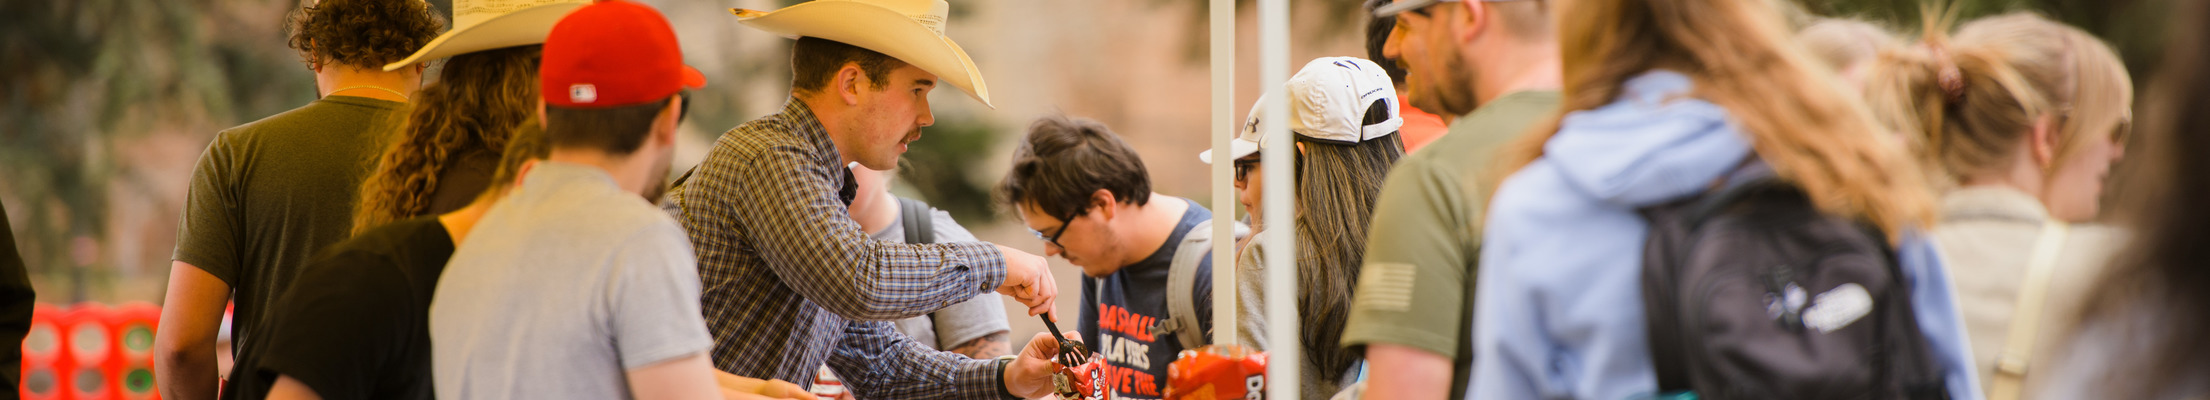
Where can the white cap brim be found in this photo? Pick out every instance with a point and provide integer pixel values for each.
(1237, 148)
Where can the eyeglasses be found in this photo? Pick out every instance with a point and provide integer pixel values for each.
(1053, 238)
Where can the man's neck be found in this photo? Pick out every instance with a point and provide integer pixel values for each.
(627, 171)
(340, 80)
(1527, 67)
(826, 109)
(1151, 225)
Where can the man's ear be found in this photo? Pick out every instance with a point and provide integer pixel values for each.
(541, 112)
(664, 124)
(848, 82)
(1103, 204)
(1474, 20)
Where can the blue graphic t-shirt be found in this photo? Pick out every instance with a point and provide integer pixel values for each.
(1128, 303)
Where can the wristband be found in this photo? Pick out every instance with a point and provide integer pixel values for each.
(1002, 383)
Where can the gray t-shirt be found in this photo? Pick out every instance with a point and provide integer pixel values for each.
(561, 288)
(951, 326)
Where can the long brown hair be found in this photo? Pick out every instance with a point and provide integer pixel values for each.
(2161, 275)
(1966, 104)
(476, 102)
(1739, 56)
(1337, 186)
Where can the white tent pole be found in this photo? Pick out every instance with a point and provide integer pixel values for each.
(1283, 358)
(1223, 185)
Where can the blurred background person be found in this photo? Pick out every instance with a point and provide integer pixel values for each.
(1420, 127)
(2025, 116)
(268, 194)
(2140, 331)
(1846, 45)
(977, 327)
(1494, 66)
(1666, 98)
(1344, 124)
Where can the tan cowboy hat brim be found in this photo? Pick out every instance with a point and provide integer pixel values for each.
(880, 29)
(518, 28)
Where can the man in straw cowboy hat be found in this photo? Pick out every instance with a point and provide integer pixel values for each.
(574, 285)
(268, 194)
(791, 282)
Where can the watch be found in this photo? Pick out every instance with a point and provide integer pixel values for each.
(1002, 383)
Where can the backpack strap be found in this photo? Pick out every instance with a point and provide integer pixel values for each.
(918, 221)
(1181, 288)
(2025, 322)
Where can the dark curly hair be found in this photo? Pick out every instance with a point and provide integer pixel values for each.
(362, 33)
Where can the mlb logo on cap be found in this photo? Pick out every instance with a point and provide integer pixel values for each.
(583, 93)
(613, 53)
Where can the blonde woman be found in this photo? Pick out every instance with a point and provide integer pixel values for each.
(2025, 116)
(1662, 98)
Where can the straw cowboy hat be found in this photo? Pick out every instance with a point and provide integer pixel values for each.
(480, 25)
(909, 30)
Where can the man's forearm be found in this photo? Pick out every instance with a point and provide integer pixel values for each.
(1399, 372)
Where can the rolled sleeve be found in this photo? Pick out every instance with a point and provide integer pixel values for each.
(806, 237)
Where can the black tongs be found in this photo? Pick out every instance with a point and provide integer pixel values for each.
(1071, 353)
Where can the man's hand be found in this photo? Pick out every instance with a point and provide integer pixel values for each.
(1029, 376)
(1028, 280)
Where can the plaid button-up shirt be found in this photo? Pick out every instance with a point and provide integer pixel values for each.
(791, 282)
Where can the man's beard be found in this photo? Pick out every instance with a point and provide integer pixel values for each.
(1448, 90)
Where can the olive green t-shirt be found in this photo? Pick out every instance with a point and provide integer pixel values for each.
(1426, 232)
(268, 194)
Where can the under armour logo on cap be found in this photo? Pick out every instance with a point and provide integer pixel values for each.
(583, 93)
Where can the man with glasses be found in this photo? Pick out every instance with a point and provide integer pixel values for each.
(1495, 65)
(1087, 195)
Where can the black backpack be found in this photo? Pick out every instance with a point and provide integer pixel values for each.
(1752, 293)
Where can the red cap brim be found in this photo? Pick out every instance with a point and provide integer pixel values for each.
(692, 79)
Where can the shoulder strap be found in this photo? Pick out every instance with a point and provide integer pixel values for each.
(2018, 345)
(1461, 379)
(1181, 288)
(917, 220)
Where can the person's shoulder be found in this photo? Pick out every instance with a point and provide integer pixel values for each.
(756, 137)
(376, 258)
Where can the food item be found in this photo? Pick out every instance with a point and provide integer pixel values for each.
(1217, 373)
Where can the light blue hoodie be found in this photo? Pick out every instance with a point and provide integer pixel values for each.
(1559, 313)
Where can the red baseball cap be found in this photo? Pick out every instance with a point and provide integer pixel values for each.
(613, 53)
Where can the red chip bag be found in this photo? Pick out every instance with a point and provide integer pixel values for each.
(1217, 373)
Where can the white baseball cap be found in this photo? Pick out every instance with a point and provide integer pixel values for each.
(1328, 102)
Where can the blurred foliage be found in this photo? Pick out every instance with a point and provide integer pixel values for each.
(77, 76)
(941, 168)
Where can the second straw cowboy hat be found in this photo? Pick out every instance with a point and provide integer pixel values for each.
(909, 30)
(480, 25)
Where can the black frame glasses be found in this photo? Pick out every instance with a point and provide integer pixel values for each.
(1053, 239)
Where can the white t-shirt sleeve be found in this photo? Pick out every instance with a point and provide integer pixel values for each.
(653, 309)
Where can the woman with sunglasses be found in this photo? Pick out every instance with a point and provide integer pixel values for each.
(1344, 123)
